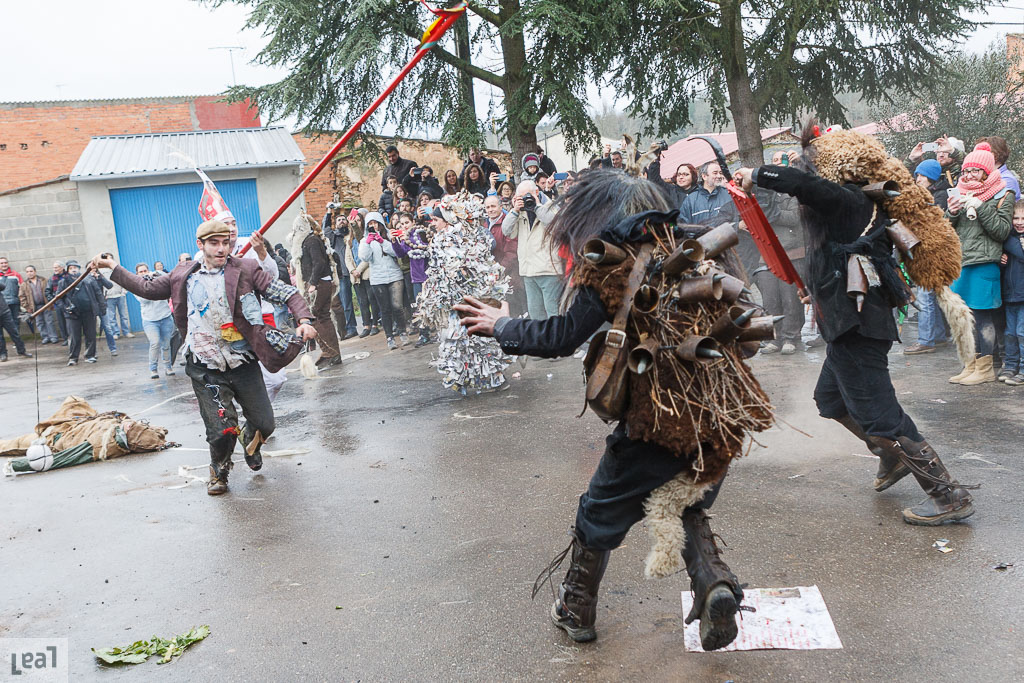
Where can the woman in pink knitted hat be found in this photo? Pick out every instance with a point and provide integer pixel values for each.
(981, 211)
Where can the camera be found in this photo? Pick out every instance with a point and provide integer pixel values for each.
(333, 206)
(417, 172)
(662, 146)
(929, 147)
(529, 202)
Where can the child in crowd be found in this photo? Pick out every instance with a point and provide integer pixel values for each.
(1013, 299)
(410, 239)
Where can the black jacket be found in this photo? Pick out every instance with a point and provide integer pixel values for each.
(86, 298)
(282, 268)
(429, 185)
(835, 216)
(386, 203)
(547, 165)
(559, 335)
(313, 261)
(400, 169)
(337, 241)
(672, 192)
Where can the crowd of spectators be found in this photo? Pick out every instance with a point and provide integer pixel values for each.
(378, 253)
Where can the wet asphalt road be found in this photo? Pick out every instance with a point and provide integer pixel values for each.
(404, 543)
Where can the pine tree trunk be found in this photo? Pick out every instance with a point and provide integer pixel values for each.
(742, 103)
(522, 127)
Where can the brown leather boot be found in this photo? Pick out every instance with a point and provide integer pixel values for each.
(218, 484)
(890, 468)
(716, 590)
(948, 500)
(575, 608)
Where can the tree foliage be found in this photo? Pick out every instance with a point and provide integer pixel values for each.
(766, 60)
(980, 95)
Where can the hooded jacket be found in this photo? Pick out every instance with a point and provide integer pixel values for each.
(537, 256)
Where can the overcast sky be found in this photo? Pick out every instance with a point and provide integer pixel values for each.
(95, 49)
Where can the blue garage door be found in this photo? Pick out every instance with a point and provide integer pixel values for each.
(158, 223)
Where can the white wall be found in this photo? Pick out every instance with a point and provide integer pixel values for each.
(273, 185)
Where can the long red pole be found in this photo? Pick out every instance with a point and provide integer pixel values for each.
(446, 17)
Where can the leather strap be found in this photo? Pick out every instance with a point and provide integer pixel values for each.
(615, 338)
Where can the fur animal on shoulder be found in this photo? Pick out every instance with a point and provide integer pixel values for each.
(845, 156)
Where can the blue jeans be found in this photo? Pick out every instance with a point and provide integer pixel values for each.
(1014, 336)
(117, 307)
(345, 297)
(931, 323)
(159, 334)
(542, 295)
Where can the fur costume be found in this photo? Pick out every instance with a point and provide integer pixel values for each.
(701, 412)
(847, 156)
(301, 227)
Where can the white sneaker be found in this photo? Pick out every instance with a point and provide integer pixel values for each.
(788, 349)
(129, 336)
(770, 347)
(403, 339)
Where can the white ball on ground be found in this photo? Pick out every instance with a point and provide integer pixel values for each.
(39, 456)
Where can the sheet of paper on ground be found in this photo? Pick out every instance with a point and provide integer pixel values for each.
(786, 619)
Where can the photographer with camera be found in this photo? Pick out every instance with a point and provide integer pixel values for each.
(422, 180)
(539, 264)
(949, 152)
(80, 308)
(674, 192)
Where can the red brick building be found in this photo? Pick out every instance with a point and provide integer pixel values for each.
(40, 141)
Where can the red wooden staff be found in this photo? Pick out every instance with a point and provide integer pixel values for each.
(444, 21)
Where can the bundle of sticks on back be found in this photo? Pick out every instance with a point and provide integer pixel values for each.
(690, 327)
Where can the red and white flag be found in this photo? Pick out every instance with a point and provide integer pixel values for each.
(212, 205)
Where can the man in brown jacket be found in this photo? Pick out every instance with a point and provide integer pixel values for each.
(32, 296)
(217, 310)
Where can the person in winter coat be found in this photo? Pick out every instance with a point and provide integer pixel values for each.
(474, 181)
(80, 307)
(982, 213)
(702, 207)
(360, 284)
(336, 235)
(31, 296)
(423, 182)
(539, 264)
(1012, 262)
(949, 154)
(316, 269)
(531, 166)
(8, 323)
(387, 284)
(932, 329)
(397, 166)
(1001, 151)
(158, 324)
(682, 184)
(410, 240)
(387, 201)
(506, 253)
(486, 164)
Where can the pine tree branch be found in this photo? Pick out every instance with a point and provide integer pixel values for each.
(490, 16)
(464, 66)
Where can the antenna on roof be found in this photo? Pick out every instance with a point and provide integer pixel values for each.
(231, 55)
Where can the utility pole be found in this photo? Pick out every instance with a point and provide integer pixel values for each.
(231, 56)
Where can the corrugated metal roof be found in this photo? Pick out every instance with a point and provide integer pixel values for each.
(698, 152)
(153, 154)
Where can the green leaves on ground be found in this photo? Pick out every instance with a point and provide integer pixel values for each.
(141, 650)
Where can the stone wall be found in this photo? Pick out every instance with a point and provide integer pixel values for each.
(40, 224)
(354, 182)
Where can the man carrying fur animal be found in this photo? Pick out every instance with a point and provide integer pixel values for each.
(690, 404)
(848, 236)
(217, 310)
(315, 278)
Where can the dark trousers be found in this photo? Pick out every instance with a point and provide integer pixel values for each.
(855, 381)
(781, 299)
(389, 298)
(345, 298)
(363, 296)
(62, 325)
(985, 330)
(326, 337)
(217, 392)
(629, 470)
(408, 295)
(9, 324)
(83, 326)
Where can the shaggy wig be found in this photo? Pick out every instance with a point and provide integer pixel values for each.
(599, 200)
